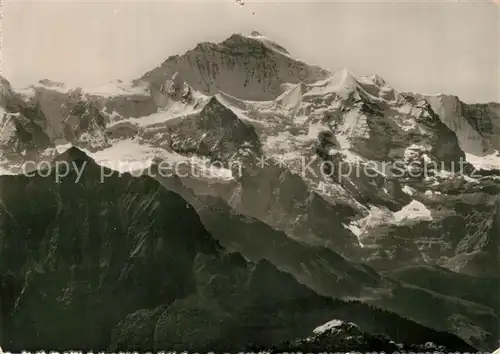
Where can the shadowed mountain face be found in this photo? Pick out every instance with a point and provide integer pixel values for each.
(79, 256)
(126, 264)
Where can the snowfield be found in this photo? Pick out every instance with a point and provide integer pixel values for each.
(413, 211)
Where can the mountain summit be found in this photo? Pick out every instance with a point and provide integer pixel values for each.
(249, 67)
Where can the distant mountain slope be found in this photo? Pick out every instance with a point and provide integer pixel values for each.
(445, 282)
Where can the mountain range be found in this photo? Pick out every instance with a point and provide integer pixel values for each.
(237, 198)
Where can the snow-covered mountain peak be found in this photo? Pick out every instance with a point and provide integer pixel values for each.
(378, 80)
(378, 88)
(344, 77)
(345, 84)
(268, 42)
(114, 88)
(247, 67)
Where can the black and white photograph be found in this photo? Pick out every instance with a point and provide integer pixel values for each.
(240, 176)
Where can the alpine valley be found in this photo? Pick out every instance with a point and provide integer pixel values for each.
(310, 211)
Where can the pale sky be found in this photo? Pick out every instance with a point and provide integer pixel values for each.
(422, 46)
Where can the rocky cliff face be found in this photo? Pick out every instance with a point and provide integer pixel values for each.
(476, 127)
(338, 180)
(22, 126)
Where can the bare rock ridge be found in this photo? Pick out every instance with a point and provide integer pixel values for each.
(336, 185)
